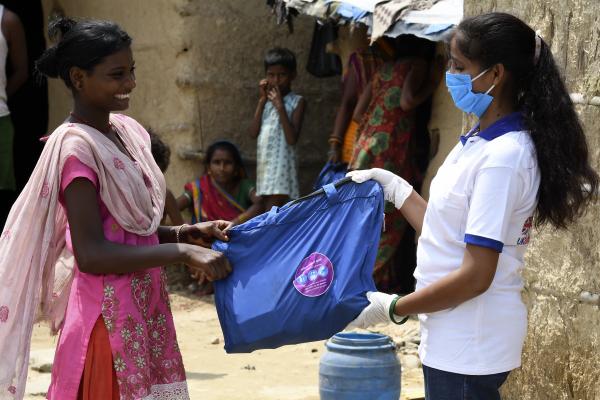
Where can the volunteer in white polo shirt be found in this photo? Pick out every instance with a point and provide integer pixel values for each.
(525, 161)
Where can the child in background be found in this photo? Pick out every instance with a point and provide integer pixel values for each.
(277, 124)
(162, 155)
(223, 192)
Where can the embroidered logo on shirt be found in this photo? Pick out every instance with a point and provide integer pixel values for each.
(525, 232)
(314, 275)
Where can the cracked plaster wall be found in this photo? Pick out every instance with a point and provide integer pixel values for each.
(198, 66)
(562, 350)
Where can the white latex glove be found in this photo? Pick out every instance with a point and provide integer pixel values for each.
(377, 312)
(395, 189)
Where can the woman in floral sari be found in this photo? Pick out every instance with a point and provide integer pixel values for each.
(386, 135)
(222, 193)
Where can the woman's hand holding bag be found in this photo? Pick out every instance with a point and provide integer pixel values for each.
(395, 189)
(379, 311)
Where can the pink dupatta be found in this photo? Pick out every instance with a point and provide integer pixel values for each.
(35, 270)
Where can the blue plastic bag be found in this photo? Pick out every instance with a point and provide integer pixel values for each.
(300, 272)
(331, 172)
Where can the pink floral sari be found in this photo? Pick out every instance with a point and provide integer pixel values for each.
(35, 283)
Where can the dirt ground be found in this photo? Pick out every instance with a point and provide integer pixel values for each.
(290, 372)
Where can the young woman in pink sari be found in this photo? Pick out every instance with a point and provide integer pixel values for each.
(97, 194)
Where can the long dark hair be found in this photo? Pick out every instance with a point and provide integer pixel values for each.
(82, 44)
(568, 182)
(231, 149)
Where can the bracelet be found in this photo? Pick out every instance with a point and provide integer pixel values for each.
(392, 307)
(242, 218)
(178, 233)
(334, 139)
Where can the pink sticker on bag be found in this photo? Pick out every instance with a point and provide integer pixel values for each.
(314, 275)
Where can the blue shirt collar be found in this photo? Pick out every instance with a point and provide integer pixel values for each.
(510, 123)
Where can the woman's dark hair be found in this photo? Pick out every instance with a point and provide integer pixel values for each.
(82, 44)
(281, 56)
(568, 182)
(160, 151)
(231, 149)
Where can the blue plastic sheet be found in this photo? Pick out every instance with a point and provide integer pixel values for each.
(300, 272)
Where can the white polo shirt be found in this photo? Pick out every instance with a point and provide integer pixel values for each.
(484, 194)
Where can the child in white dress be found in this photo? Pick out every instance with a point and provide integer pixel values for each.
(277, 123)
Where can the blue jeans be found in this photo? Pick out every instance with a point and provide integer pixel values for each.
(442, 385)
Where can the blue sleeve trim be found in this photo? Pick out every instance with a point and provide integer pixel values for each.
(484, 242)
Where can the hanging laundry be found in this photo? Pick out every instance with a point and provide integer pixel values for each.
(388, 13)
(321, 63)
(282, 13)
(300, 272)
(367, 5)
(350, 12)
(320, 9)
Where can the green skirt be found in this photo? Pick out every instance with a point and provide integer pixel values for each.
(7, 168)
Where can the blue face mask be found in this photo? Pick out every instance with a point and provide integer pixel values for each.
(461, 89)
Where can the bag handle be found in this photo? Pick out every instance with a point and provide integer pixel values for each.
(320, 191)
(332, 194)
